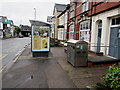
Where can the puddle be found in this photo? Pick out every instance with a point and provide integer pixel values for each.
(25, 81)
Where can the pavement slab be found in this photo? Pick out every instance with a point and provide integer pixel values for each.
(29, 72)
(81, 76)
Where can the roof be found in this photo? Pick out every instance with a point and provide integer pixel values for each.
(59, 7)
(25, 26)
(49, 18)
(38, 23)
(3, 16)
(67, 7)
(8, 22)
(3, 19)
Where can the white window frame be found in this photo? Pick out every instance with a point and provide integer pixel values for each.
(85, 5)
(71, 31)
(72, 10)
(83, 31)
(116, 25)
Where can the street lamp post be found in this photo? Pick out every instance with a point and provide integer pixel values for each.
(35, 13)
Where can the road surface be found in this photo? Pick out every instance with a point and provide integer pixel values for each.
(11, 48)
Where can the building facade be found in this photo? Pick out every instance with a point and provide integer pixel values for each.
(79, 21)
(62, 27)
(6, 27)
(97, 23)
(51, 21)
(105, 32)
(58, 9)
(25, 30)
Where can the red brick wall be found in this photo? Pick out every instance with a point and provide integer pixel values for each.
(96, 9)
(76, 37)
(78, 9)
(104, 6)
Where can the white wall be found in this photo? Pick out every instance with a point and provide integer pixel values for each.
(62, 21)
(105, 17)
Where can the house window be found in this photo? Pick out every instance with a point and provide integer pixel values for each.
(116, 21)
(87, 27)
(72, 11)
(71, 35)
(81, 27)
(84, 31)
(85, 4)
(84, 26)
(72, 32)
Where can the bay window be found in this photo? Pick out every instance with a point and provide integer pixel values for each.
(84, 31)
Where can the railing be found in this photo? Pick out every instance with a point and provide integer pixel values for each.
(103, 47)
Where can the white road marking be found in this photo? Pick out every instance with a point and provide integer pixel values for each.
(12, 50)
(3, 56)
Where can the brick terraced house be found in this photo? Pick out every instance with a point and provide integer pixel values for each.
(96, 22)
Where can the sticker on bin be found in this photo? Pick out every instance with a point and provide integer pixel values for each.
(78, 46)
(81, 47)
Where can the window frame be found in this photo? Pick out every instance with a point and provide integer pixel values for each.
(85, 5)
(84, 32)
(72, 10)
(71, 31)
(115, 21)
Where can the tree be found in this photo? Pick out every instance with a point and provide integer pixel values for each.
(17, 29)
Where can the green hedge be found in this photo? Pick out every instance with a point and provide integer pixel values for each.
(111, 79)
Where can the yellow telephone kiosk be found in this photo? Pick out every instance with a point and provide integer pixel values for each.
(40, 38)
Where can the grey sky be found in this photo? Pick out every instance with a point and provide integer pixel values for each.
(22, 11)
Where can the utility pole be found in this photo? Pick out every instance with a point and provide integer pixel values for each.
(35, 13)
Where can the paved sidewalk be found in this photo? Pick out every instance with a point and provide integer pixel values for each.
(82, 76)
(29, 72)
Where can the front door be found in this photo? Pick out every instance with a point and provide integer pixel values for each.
(99, 36)
(114, 49)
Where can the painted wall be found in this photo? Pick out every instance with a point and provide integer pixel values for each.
(56, 23)
(62, 31)
(105, 17)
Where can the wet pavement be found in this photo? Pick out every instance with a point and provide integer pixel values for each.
(81, 76)
(29, 72)
(51, 72)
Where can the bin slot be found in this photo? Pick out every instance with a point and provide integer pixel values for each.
(78, 52)
(84, 52)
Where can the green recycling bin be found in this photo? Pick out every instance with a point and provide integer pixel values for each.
(77, 53)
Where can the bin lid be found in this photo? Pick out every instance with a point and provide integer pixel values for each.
(72, 41)
(75, 41)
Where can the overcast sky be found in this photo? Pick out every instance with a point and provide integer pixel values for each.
(23, 10)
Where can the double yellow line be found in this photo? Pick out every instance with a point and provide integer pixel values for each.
(1, 57)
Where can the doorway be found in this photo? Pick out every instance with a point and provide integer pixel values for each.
(99, 29)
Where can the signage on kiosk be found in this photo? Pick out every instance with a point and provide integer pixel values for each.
(40, 38)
